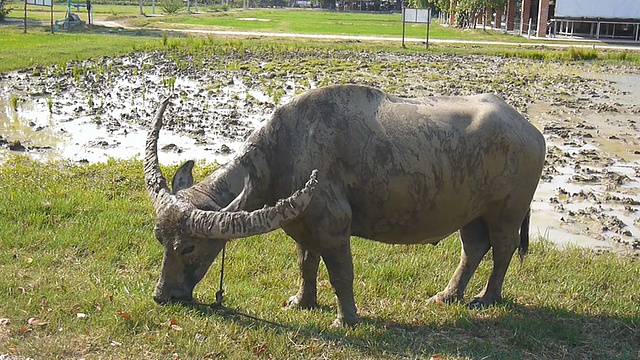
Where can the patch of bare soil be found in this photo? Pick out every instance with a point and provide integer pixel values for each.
(588, 112)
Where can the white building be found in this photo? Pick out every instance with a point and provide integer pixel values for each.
(598, 19)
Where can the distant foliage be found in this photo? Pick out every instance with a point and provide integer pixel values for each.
(466, 11)
(172, 6)
(4, 10)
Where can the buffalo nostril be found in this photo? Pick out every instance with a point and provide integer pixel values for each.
(160, 300)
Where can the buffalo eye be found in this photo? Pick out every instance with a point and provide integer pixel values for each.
(187, 250)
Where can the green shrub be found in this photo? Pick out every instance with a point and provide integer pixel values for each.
(219, 8)
(171, 6)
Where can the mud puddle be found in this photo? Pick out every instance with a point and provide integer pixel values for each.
(93, 110)
(77, 127)
(589, 196)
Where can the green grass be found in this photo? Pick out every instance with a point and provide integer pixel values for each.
(321, 22)
(78, 239)
(39, 48)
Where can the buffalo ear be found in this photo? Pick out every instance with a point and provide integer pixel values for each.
(183, 178)
(240, 200)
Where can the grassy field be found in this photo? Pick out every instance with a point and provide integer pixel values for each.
(100, 11)
(79, 263)
(40, 48)
(274, 20)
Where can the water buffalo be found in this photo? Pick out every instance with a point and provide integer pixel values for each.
(389, 169)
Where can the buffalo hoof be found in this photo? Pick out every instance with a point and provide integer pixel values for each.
(296, 302)
(345, 322)
(441, 299)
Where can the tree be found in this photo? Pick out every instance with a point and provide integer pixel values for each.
(442, 5)
(422, 4)
(4, 10)
(468, 11)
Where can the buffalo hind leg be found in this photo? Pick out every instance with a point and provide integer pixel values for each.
(340, 267)
(475, 244)
(504, 244)
(308, 263)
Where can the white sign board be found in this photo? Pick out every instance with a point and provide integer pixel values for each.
(40, 2)
(595, 9)
(421, 16)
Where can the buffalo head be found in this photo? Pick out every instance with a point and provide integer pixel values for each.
(191, 237)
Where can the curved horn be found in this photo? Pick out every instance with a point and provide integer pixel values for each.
(230, 225)
(154, 180)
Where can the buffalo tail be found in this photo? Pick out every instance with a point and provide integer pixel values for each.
(524, 236)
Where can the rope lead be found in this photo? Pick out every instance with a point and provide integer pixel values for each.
(221, 291)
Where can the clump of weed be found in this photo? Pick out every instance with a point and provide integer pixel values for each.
(165, 39)
(14, 101)
(169, 83)
(50, 104)
(582, 54)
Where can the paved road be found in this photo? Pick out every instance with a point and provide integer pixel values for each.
(543, 42)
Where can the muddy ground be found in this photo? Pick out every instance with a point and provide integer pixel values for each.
(588, 112)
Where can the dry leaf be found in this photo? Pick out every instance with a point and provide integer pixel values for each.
(115, 343)
(436, 357)
(125, 315)
(4, 321)
(439, 302)
(258, 350)
(176, 327)
(175, 357)
(23, 329)
(173, 321)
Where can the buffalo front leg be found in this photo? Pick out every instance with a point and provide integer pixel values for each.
(308, 262)
(340, 267)
(475, 244)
